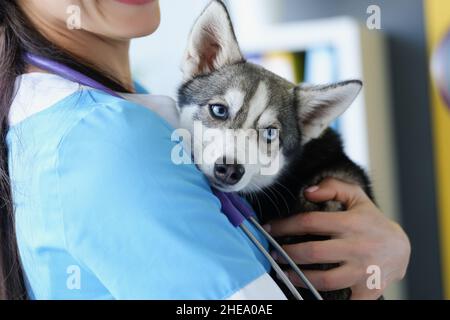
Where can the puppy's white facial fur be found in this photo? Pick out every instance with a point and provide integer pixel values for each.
(257, 105)
(261, 162)
(235, 100)
(254, 178)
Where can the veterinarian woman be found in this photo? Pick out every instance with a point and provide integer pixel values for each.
(93, 207)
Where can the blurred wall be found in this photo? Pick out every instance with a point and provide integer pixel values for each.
(403, 23)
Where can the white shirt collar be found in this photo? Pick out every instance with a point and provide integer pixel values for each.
(35, 92)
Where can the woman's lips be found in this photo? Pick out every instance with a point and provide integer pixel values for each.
(135, 2)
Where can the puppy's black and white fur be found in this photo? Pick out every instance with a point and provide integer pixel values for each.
(223, 91)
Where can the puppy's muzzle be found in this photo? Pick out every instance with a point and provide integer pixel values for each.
(228, 174)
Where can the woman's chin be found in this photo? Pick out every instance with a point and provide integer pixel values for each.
(132, 33)
(134, 22)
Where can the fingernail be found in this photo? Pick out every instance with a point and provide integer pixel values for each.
(267, 227)
(312, 189)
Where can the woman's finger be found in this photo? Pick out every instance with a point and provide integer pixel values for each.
(318, 223)
(327, 251)
(334, 279)
(333, 189)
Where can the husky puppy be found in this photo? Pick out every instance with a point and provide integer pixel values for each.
(223, 92)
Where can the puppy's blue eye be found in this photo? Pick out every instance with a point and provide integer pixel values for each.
(270, 134)
(218, 111)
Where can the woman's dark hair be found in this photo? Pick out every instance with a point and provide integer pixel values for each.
(18, 35)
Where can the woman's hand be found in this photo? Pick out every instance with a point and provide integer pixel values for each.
(360, 237)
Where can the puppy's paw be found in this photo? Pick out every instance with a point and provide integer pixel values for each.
(305, 205)
(331, 206)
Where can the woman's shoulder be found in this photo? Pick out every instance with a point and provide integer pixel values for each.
(122, 136)
(52, 108)
(103, 116)
(120, 132)
(116, 133)
(90, 136)
(87, 130)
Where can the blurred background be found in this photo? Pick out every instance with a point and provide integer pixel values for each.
(398, 128)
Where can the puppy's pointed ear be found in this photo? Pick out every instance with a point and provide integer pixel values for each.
(212, 42)
(319, 106)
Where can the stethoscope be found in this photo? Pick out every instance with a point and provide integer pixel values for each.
(233, 206)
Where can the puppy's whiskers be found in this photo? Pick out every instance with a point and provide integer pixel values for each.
(285, 188)
(268, 197)
(275, 191)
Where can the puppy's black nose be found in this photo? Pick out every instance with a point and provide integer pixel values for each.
(228, 174)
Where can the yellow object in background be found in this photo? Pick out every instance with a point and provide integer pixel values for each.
(281, 63)
(437, 14)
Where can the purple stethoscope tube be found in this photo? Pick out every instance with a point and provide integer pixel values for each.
(66, 72)
(232, 205)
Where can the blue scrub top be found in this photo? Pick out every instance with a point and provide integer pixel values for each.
(103, 213)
